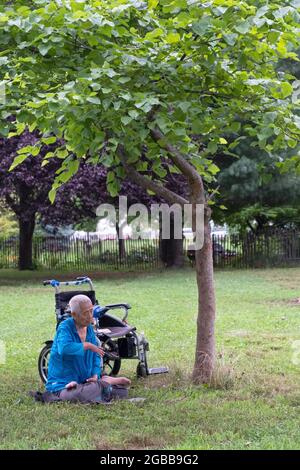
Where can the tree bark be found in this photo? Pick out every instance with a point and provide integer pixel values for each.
(171, 250)
(205, 342)
(25, 243)
(121, 243)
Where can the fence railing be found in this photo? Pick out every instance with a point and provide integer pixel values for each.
(84, 254)
(255, 250)
(270, 248)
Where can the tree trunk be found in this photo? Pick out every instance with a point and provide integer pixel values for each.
(205, 343)
(170, 250)
(121, 243)
(25, 245)
(178, 258)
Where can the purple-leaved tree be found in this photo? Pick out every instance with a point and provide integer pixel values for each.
(25, 191)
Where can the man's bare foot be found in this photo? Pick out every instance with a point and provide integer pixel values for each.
(117, 380)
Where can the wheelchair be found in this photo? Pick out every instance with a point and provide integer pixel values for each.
(118, 339)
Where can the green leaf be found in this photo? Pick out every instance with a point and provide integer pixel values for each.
(282, 90)
(230, 39)
(212, 147)
(17, 161)
(27, 149)
(93, 99)
(126, 120)
(197, 126)
(96, 86)
(243, 27)
(20, 127)
(262, 11)
(110, 177)
(184, 105)
(213, 169)
(152, 4)
(49, 140)
(286, 89)
(49, 155)
(202, 26)
(52, 195)
(235, 126)
(117, 105)
(161, 172)
(172, 38)
(133, 113)
(270, 117)
(292, 143)
(265, 133)
(68, 171)
(152, 35)
(124, 79)
(44, 48)
(113, 188)
(142, 166)
(62, 153)
(35, 151)
(281, 12)
(120, 171)
(36, 104)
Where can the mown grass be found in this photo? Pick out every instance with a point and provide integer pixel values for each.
(254, 402)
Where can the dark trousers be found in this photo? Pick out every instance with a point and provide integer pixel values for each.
(91, 392)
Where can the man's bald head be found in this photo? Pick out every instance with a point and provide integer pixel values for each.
(81, 309)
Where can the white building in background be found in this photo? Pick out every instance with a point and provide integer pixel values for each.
(88, 236)
(219, 230)
(107, 231)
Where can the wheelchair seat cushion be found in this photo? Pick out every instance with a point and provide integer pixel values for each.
(117, 331)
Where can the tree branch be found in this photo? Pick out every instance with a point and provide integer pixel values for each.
(182, 164)
(146, 183)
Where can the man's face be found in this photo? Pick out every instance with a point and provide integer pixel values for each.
(86, 315)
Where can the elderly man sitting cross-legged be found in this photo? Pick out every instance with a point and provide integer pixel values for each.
(75, 361)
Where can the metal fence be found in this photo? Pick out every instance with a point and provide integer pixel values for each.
(270, 248)
(267, 249)
(63, 253)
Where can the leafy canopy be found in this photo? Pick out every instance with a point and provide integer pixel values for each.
(99, 73)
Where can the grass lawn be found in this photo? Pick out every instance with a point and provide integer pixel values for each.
(255, 400)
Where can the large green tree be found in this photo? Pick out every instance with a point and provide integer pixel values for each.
(169, 77)
(254, 190)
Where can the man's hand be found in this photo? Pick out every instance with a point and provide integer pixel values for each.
(94, 348)
(92, 379)
(70, 385)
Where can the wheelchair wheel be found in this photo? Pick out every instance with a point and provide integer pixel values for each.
(43, 361)
(111, 366)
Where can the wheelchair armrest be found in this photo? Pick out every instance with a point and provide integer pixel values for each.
(111, 306)
(126, 307)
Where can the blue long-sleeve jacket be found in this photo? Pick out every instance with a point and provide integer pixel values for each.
(68, 359)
